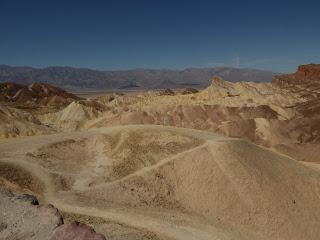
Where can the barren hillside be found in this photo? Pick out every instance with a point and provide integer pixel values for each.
(233, 161)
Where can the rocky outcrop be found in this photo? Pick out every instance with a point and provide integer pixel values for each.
(21, 217)
(309, 73)
(249, 93)
(8, 90)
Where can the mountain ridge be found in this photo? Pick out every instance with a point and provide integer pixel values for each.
(71, 77)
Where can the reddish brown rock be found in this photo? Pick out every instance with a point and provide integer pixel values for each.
(309, 73)
(75, 231)
(12, 92)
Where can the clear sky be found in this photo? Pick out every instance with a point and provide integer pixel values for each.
(274, 35)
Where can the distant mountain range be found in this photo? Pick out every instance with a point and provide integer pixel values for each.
(80, 78)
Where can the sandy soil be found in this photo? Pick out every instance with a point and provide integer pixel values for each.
(199, 186)
(133, 166)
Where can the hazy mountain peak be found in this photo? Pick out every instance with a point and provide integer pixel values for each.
(142, 78)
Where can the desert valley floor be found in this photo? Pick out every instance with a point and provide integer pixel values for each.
(232, 161)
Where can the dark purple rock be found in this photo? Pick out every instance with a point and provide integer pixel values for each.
(75, 231)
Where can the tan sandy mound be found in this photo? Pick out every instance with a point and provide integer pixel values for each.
(15, 122)
(229, 184)
(250, 189)
(134, 150)
(72, 117)
(107, 157)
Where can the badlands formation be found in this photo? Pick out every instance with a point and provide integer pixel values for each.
(233, 161)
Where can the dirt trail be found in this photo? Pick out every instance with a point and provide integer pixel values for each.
(150, 168)
(186, 231)
(241, 173)
(14, 151)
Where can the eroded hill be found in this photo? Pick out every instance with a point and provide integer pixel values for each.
(121, 157)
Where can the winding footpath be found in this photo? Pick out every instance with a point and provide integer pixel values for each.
(14, 152)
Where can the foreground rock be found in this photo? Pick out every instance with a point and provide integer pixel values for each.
(75, 231)
(20, 219)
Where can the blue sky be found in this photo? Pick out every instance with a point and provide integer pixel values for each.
(272, 35)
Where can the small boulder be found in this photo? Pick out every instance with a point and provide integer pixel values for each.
(75, 231)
